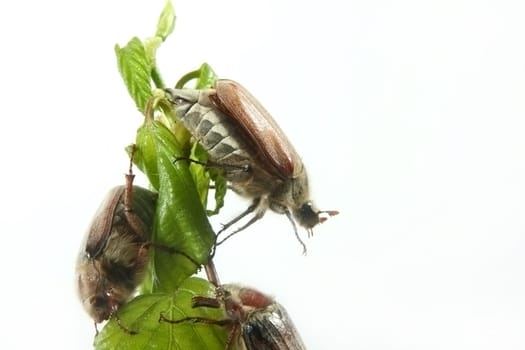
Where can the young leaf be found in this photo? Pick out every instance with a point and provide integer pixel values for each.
(166, 22)
(142, 315)
(135, 69)
(205, 77)
(165, 27)
(180, 219)
(202, 176)
(220, 186)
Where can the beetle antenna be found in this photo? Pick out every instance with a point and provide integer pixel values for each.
(329, 212)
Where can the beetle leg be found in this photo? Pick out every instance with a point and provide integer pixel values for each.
(196, 319)
(128, 194)
(248, 210)
(200, 301)
(189, 160)
(212, 164)
(124, 328)
(211, 272)
(209, 321)
(231, 336)
(171, 250)
(258, 214)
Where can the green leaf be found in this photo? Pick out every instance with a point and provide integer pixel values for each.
(135, 69)
(205, 77)
(221, 187)
(199, 172)
(165, 27)
(202, 176)
(142, 314)
(180, 219)
(150, 48)
(166, 22)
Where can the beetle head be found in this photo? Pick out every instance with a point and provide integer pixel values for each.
(184, 99)
(100, 297)
(308, 216)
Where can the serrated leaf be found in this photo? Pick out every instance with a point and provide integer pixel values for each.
(142, 315)
(135, 69)
(166, 22)
(180, 219)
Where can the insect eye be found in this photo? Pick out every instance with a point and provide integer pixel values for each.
(177, 100)
(306, 215)
(174, 98)
(99, 302)
(180, 100)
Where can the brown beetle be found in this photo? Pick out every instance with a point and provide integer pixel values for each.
(114, 256)
(257, 159)
(256, 320)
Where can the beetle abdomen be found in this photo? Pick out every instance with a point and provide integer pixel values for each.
(218, 135)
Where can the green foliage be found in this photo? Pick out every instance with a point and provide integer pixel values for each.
(142, 314)
(180, 219)
(180, 222)
(135, 69)
(166, 22)
(204, 78)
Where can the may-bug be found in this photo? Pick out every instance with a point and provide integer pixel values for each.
(255, 320)
(256, 157)
(114, 254)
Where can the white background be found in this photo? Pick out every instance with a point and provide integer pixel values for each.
(408, 114)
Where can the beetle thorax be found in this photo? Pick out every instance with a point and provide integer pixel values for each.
(290, 194)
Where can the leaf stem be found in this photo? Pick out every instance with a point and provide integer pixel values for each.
(157, 78)
(187, 77)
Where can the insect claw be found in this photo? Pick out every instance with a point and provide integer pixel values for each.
(124, 328)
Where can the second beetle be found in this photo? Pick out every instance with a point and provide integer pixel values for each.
(256, 157)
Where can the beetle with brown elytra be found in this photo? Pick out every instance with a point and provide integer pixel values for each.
(256, 157)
